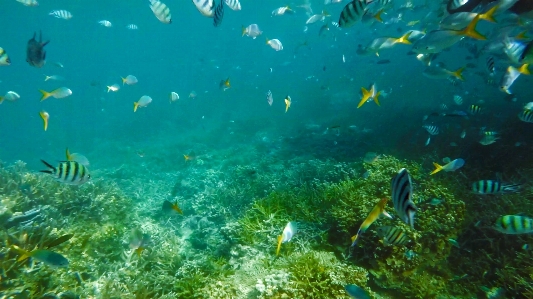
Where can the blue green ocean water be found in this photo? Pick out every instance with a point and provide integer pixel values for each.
(253, 166)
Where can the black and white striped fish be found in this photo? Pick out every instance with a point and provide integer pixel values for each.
(161, 11)
(68, 172)
(526, 116)
(485, 187)
(219, 14)
(61, 14)
(491, 69)
(402, 192)
(206, 7)
(392, 235)
(233, 4)
(474, 109)
(352, 12)
(432, 130)
(514, 224)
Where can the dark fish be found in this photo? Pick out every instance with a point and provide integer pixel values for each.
(68, 172)
(383, 61)
(490, 66)
(402, 192)
(484, 187)
(352, 12)
(35, 53)
(219, 14)
(58, 241)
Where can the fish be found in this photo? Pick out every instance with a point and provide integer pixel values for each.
(352, 290)
(142, 102)
(76, 157)
(193, 95)
(171, 207)
(514, 225)
(352, 12)
(205, 7)
(58, 241)
(113, 88)
(10, 96)
(219, 14)
(372, 94)
(274, 44)
(317, 17)
(68, 172)
(4, 58)
(323, 29)
(438, 40)
(458, 100)
(35, 53)
(439, 72)
(224, 84)
(461, 19)
(233, 4)
(252, 31)
(383, 61)
(402, 191)
(474, 109)
(371, 157)
(45, 116)
(61, 14)
(526, 116)
(487, 140)
(488, 187)
(451, 166)
(105, 23)
(431, 129)
(161, 11)
(508, 79)
(288, 102)
(138, 241)
(130, 80)
(174, 96)
(44, 256)
(54, 77)
(281, 11)
(491, 69)
(59, 93)
(29, 2)
(288, 232)
(378, 210)
(132, 27)
(392, 235)
(270, 98)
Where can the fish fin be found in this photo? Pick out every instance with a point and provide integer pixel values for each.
(123, 80)
(280, 238)
(68, 155)
(46, 94)
(524, 69)
(366, 95)
(1, 99)
(489, 15)
(51, 169)
(47, 78)
(176, 208)
(243, 30)
(186, 157)
(354, 240)
(521, 35)
(135, 106)
(470, 30)
(459, 73)
(139, 250)
(376, 98)
(437, 168)
(23, 253)
(377, 16)
(386, 214)
(404, 39)
(108, 88)
(267, 40)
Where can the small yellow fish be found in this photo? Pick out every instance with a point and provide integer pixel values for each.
(45, 116)
(369, 94)
(377, 211)
(172, 207)
(287, 234)
(130, 80)
(142, 102)
(287, 103)
(225, 84)
(59, 93)
(412, 23)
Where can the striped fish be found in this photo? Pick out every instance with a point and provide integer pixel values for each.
(4, 59)
(206, 7)
(61, 14)
(458, 100)
(352, 12)
(432, 130)
(219, 14)
(526, 115)
(233, 4)
(474, 109)
(392, 235)
(161, 11)
(491, 69)
(68, 172)
(514, 225)
(402, 191)
(485, 187)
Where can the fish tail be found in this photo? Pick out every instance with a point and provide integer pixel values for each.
(376, 98)
(437, 168)
(51, 169)
(511, 188)
(489, 15)
(23, 253)
(176, 208)
(366, 95)
(1, 99)
(45, 120)
(377, 16)
(522, 35)
(471, 31)
(108, 88)
(354, 240)
(47, 78)
(267, 40)
(46, 94)
(135, 106)
(123, 80)
(404, 39)
(243, 30)
(524, 69)
(459, 73)
(280, 238)
(139, 251)
(67, 153)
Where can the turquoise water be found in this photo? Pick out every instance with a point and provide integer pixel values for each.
(246, 154)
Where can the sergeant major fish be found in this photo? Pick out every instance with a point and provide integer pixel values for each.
(35, 53)
(402, 191)
(68, 172)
